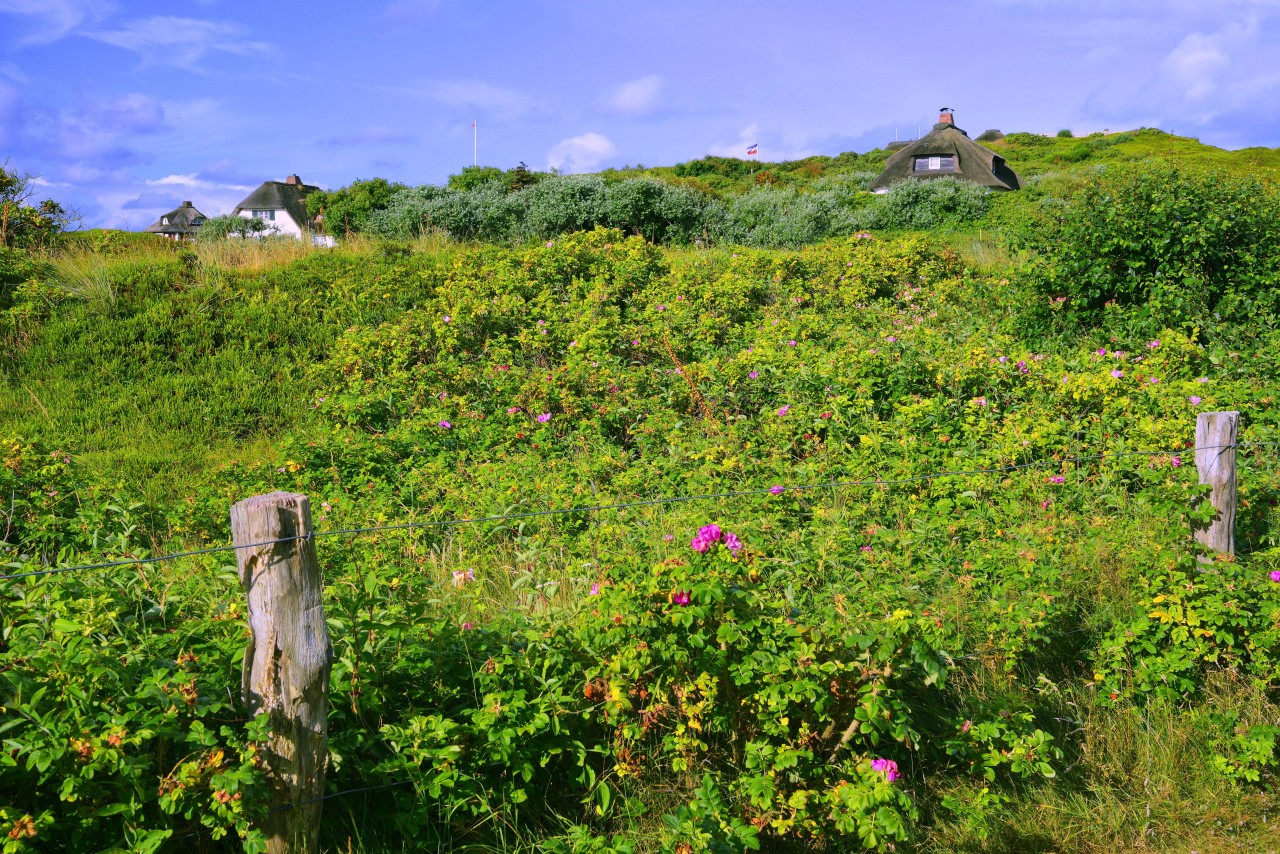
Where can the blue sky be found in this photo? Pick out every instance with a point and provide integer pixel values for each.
(124, 109)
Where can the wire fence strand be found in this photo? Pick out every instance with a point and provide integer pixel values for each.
(649, 502)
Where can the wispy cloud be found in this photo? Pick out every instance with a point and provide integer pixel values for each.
(582, 153)
(373, 136)
(49, 20)
(407, 13)
(636, 97)
(182, 42)
(194, 181)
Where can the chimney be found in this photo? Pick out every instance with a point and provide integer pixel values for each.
(186, 204)
(293, 179)
(945, 117)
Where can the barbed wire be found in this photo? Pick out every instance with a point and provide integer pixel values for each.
(649, 502)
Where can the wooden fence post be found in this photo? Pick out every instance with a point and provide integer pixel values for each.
(287, 663)
(1216, 462)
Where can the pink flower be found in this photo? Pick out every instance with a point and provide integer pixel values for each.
(981, 401)
(1003, 359)
(1176, 462)
(1203, 380)
(784, 410)
(635, 343)
(466, 627)
(711, 533)
(887, 767)
(1022, 367)
(544, 418)
(824, 415)
(1044, 505)
(1056, 478)
(1153, 344)
(776, 490)
(662, 308)
(445, 425)
(573, 343)
(461, 577)
(699, 544)
(1102, 351)
(1153, 380)
(1275, 575)
(1195, 400)
(550, 243)
(892, 338)
(512, 410)
(1117, 373)
(595, 589)
(866, 548)
(732, 543)
(753, 374)
(791, 343)
(447, 318)
(666, 538)
(681, 598)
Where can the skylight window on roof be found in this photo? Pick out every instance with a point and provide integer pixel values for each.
(936, 163)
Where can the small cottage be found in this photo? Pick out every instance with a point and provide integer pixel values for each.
(281, 204)
(947, 151)
(178, 224)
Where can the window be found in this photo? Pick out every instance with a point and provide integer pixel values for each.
(164, 220)
(267, 215)
(936, 163)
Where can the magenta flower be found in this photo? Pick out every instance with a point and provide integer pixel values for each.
(699, 544)
(1176, 462)
(1102, 351)
(635, 343)
(753, 374)
(681, 598)
(1153, 344)
(1056, 478)
(887, 767)
(1022, 367)
(1044, 505)
(445, 425)
(595, 589)
(1203, 380)
(892, 339)
(573, 343)
(544, 418)
(466, 627)
(791, 343)
(550, 243)
(662, 308)
(1275, 575)
(1003, 359)
(784, 410)
(776, 490)
(732, 543)
(866, 548)
(447, 318)
(1195, 400)
(1153, 380)
(710, 533)
(1117, 373)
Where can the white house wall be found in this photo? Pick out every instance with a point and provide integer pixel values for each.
(283, 222)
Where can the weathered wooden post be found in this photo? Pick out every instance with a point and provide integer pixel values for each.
(287, 663)
(1216, 461)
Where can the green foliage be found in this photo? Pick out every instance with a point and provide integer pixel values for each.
(1065, 133)
(1178, 245)
(348, 209)
(933, 204)
(28, 225)
(229, 225)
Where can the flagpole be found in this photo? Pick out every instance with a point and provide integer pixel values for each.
(475, 145)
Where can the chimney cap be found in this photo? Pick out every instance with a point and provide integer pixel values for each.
(293, 179)
(187, 205)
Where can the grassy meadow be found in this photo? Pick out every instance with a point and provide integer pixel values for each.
(951, 604)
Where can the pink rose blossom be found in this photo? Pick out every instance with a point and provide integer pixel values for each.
(776, 490)
(544, 418)
(887, 767)
(784, 410)
(681, 598)
(1117, 373)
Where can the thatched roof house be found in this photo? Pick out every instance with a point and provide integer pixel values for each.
(179, 223)
(947, 151)
(282, 204)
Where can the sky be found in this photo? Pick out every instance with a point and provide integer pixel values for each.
(123, 110)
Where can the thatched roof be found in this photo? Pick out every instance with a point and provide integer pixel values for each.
(182, 220)
(289, 195)
(951, 153)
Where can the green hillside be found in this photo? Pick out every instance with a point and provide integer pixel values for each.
(879, 542)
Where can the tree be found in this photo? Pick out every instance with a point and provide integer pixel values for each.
(229, 225)
(22, 224)
(348, 209)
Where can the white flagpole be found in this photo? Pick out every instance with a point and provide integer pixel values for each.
(475, 145)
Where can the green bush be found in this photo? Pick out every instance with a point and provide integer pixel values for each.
(1178, 244)
(923, 205)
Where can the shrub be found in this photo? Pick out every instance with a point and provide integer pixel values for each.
(936, 203)
(1065, 133)
(1179, 244)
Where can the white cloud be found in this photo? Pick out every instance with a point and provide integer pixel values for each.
(166, 40)
(636, 97)
(193, 181)
(50, 20)
(773, 147)
(582, 153)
